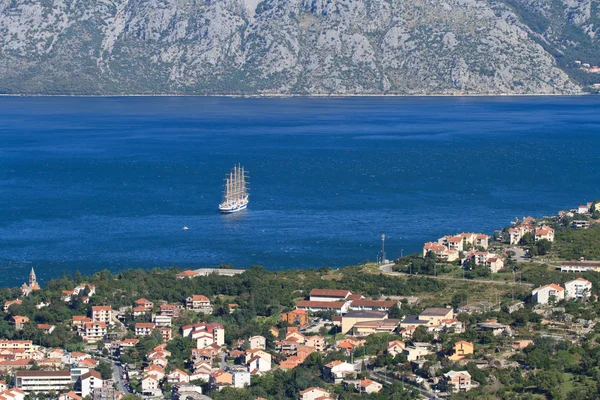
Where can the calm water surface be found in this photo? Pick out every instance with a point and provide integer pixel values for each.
(92, 183)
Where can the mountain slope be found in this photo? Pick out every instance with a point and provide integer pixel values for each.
(275, 47)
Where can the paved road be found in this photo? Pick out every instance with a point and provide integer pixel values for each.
(387, 269)
(117, 375)
(389, 380)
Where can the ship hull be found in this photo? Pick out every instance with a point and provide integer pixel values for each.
(234, 209)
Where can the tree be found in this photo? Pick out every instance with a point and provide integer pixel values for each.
(395, 312)
(105, 369)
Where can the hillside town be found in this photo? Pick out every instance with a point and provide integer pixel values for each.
(335, 342)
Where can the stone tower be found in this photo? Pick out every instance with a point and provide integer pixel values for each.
(32, 278)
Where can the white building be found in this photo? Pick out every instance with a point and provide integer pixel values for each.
(415, 353)
(313, 393)
(241, 379)
(42, 381)
(578, 289)
(143, 328)
(88, 382)
(544, 233)
(336, 371)
(258, 342)
(150, 384)
(162, 321)
(94, 331)
(102, 314)
(457, 381)
(544, 294)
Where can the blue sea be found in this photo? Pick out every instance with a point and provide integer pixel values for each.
(94, 183)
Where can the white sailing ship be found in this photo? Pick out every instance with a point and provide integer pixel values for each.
(235, 197)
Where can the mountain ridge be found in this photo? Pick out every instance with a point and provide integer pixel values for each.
(297, 47)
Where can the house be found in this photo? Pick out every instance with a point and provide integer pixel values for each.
(145, 303)
(198, 303)
(79, 321)
(353, 317)
(143, 328)
(220, 379)
(457, 381)
(395, 347)
(12, 394)
(258, 342)
(250, 354)
(544, 233)
(169, 310)
(452, 243)
(162, 321)
(368, 386)
(583, 209)
(440, 251)
(70, 396)
(303, 352)
(46, 328)
(580, 224)
(517, 233)
(414, 353)
(139, 310)
(339, 307)
(156, 371)
(203, 339)
(241, 379)
(188, 392)
(298, 317)
(259, 364)
(521, 344)
(548, 294)
(313, 393)
(94, 331)
(578, 289)
(88, 382)
(350, 344)
(167, 333)
(150, 384)
(316, 342)
(336, 371)
(178, 376)
(290, 363)
(186, 274)
(494, 327)
(19, 321)
(461, 349)
(102, 314)
(42, 381)
(10, 303)
(217, 331)
(331, 295)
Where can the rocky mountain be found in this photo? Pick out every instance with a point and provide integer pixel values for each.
(314, 47)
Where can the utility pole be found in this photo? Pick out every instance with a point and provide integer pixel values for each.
(401, 253)
(382, 247)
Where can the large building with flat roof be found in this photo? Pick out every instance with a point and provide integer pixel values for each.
(353, 317)
(42, 381)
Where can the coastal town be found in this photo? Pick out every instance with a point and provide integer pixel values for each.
(397, 330)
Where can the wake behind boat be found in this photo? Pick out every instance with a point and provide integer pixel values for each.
(235, 197)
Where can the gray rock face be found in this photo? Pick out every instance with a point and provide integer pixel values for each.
(316, 47)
